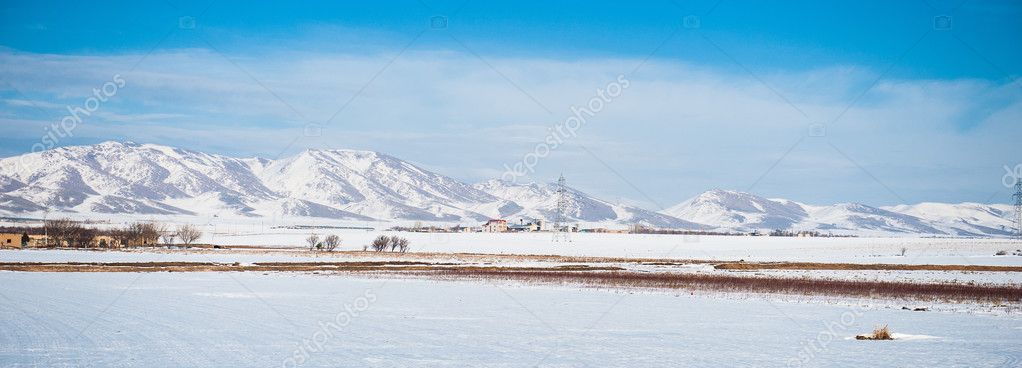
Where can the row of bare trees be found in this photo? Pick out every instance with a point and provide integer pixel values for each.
(395, 243)
(69, 233)
(329, 243)
(65, 232)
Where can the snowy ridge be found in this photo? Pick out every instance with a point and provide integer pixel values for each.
(965, 219)
(539, 201)
(149, 179)
(739, 211)
(376, 185)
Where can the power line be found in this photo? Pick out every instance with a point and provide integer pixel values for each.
(561, 232)
(1018, 208)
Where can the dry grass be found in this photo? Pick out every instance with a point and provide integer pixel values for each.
(733, 283)
(578, 275)
(859, 267)
(598, 274)
(879, 333)
(395, 266)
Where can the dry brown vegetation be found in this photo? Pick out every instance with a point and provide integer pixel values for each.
(879, 333)
(395, 266)
(734, 283)
(583, 275)
(859, 267)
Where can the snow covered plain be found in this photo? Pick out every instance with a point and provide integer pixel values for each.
(302, 320)
(850, 250)
(719, 248)
(288, 319)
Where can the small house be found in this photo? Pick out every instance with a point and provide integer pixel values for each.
(495, 226)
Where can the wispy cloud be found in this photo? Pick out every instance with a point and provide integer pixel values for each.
(680, 128)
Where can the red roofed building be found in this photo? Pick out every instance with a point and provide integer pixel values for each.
(495, 226)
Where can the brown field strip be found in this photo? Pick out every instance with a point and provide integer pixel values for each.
(859, 267)
(734, 283)
(268, 267)
(582, 275)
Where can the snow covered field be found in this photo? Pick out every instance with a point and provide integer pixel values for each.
(721, 248)
(301, 320)
(295, 319)
(851, 250)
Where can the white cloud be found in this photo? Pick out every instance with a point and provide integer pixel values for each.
(680, 128)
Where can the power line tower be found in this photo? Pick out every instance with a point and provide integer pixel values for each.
(561, 230)
(1018, 208)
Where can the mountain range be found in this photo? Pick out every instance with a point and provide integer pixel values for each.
(149, 179)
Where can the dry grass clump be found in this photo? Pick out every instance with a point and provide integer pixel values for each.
(879, 333)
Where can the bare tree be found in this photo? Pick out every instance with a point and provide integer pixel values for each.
(188, 234)
(398, 243)
(168, 236)
(331, 242)
(60, 232)
(141, 233)
(132, 235)
(150, 232)
(123, 236)
(161, 231)
(402, 245)
(82, 237)
(312, 241)
(380, 243)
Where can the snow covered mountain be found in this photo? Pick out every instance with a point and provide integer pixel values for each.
(539, 201)
(379, 186)
(739, 211)
(729, 209)
(965, 219)
(114, 177)
(148, 179)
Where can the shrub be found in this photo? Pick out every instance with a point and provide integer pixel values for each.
(380, 243)
(398, 243)
(312, 241)
(331, 242)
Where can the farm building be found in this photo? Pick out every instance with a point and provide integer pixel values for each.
(495, 226)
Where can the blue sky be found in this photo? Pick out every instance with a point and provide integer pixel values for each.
(869, 102)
